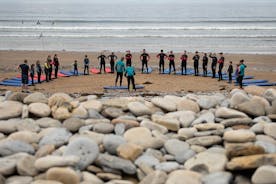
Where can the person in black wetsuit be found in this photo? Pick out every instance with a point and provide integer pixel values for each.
(214, 64)
(145, 58)
(38, 71)
(221, 64)
(162, 56)
(205, 64)
(128, 58)
(112, 57)
(32, 73)
(56, 65)
(102, 58)
(24, 75)
(86, 63)
(196, 60)
(49, 60)
(184, 59)
(230, 71)
(171, 62)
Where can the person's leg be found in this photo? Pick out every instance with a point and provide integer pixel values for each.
(163, 66)
(112, 66)
(185, 67)
(32, 77)
(50, 74)
(133, 83)
(160, 66)
(194, 68)
(174, 67)
(38, 77)
(182, 68)
(121, 78)
(56, 71)
(116, 80)
(128, 83)
(143, 63)
(104, 67)
(101, 65)
(147, 67)
(241, 78)
(170, 67)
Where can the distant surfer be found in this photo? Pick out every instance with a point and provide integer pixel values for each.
(38, 22)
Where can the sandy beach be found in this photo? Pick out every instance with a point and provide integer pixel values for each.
(260, 66)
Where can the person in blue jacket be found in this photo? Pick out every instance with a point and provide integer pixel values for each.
(120, 69)
(241, 72)
(130, 72)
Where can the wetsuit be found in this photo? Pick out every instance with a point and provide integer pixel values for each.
(24, 73)
(38, 71)
(86, 66)
(128, 59)
(241, 74)
(184, 59)
(32, 73)
(230, 71)
(171, 63)
(196, 60)
(214, 65)
(204, 65)
(161, 61)
(56, 64)
(102, 62)
(47, 71)
(130, 72)
(144, 61)
(50, 68)
(120, 68)
(112, 58)
(221, 64)
(76, 72)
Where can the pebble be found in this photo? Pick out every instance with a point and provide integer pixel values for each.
(93, 104)
(11, 147)
(205, 140)
(188, 105)
(10, 109)
(103, 128)
(239, 136)
(252, 108)
(26, 166)
(112, 142)
(264, 174)
(270, 129)
(163, 103)
(36, 97)
(139, 109)
(227, 113)
(156, 177)
(63, 175)
(178, 176)
(73, 124)
(39, 109)
(57, 137)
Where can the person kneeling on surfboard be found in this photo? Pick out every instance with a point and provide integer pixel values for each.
(120, 69)
(130, 72)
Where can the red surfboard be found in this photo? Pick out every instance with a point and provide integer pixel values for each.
(95, 70)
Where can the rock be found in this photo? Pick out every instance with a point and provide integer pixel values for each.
(142, 136)
(264, 174)
(25, 166)
(148, 160)
(86, 149)
(207, 102)
(186, 133)
(239, 136)
(116, 102)
(209, 126)
(252, 108)
(128, 123)
(177, 148)
(254, 90)
(93, 104)
(167, 166)
(80, 112)
(112, 142)
(258, 128)
(17, 96)
(116, 163)
(36, 97)
(156, 177)
(10, 109)
(27, 125)
(19, 180)
(112, 112)
(188, 105)
(44, 151)
(48, 122)
(120, 129)
(57, 137)
(2, 179)
(104, 128)
(91, 178)
(97, 137)
(238, 98)
(236, 121)
(39, 109)
(26, 136)
(164, 104)
(269, 147)
(109, 176)
(245, 149)
(184, 117)
(7, 166)
(178, 176)
(64, 175)
(153, 126)
(205, 140)
(270, 94)
(93, 114)
(45, 182)
(220, 177)
(25, 112)
(58, 99)
(73, 124)
(214, 159)
(207, 117)
(138, 109)
(8, 126)
(129, 151)
(251, 162)
(11, 147)
(227, 113)
(169, 123)
(270, 129)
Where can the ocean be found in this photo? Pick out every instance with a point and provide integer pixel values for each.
(215, 26)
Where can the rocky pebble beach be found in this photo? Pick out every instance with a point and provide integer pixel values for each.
(215, 138)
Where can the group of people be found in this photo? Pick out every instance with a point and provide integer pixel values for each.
(51, 67)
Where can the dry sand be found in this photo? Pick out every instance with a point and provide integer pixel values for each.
(261, 66)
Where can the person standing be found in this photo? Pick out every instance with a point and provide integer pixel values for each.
(86, 63)
(112, 57)
(24, 75)
(184, 59)
(162, 56)
(120, 69)
(237, 72)
(50, 70)
(75, 66)
(205, 64)
(32, 73)
(56, 65)
(102, 62)
(128, 57)
(230, 71)
(241, 72)
(171, 62)
(196, 62)
(130, 72)
(145, 58)
(38, 71)
(47, 70)
(214, 64)
(221, 64)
